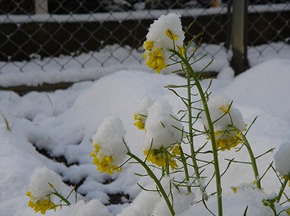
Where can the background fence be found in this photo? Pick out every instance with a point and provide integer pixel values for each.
(37, 31)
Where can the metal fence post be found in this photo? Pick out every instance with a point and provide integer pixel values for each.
(239, 61)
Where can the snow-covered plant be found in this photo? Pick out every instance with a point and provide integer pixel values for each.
(141, 114)
(224, 115)
(282, 162)
(282, 167)
(109, 150)
(164, 34)
(45, 191)
(223, 124)
(162, 136)
(169, 141)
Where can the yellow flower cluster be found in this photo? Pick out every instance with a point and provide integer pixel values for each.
(140, 121)
(155, 55)
(224, 142)
(103, 163)
(41, 205)
(160, 156)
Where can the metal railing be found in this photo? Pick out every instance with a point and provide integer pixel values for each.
(34, 32)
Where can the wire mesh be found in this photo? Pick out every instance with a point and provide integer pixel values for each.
(37, 31)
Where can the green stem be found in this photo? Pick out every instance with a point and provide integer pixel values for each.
(156, 180)
(283, 188)
(62, 198)
(211, 132)
(183, 160)
(190, 134)
(252, 157)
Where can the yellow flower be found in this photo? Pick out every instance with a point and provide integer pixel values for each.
(159, 157)
(171, 35)
(176, 149)
(41, 205)
(103, 162)
(226, 142)
(148, 45)
(155, 59)
(140, 121)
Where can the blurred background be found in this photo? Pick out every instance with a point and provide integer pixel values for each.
(45, 29)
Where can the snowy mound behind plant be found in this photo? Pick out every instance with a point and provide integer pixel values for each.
(264, 86)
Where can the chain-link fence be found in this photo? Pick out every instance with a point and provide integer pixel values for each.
(34, 32)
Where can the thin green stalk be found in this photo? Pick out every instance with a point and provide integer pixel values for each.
(211, 132)
(190, 134)
(156, 180)
(6, 121)
(252, 157)
(62, 198)
(283, 188)
(183, 160)
(213, 143)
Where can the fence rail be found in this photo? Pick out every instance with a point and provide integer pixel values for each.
(37, 31)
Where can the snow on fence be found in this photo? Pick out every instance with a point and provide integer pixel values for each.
(37, 31)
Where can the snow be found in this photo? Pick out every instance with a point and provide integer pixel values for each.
(63, 122)
(108, 140)
(264, 79)
(161, 127)
(40, 181)
(92, 208)
(282, 159)
(157, 29)
(51, 132)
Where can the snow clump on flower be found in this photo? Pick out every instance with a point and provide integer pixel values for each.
(92, 208)
(164, 34)
(161, 127)
(109, 150)
(163, 134)
(281, 157)
(43, 184)
(223, 116)
(142, 112)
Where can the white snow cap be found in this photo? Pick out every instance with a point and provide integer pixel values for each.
(143, 106)
(92, 208)
(217, 106)
(157, 31)
(161, 126)
(38, 185)
(110, 139)
(281, 157)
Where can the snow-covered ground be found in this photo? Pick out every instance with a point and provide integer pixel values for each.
(61, 124)
(47, 136)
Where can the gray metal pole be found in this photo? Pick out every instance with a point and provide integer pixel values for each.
(239, 61)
